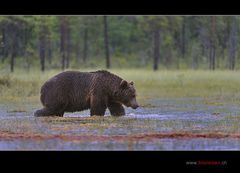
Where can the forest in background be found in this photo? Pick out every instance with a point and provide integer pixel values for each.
(153, 42)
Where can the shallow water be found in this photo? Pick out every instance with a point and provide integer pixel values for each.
(163, 144)
(20, 130)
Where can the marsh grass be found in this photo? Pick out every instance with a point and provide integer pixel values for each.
(218, 85)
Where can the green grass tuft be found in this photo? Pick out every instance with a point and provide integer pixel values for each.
(223, 85)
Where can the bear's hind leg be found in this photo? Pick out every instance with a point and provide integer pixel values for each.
(47, 112)
(116, 109)
(43, 112)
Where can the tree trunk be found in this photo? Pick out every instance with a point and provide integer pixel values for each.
(43, 45)
(13, 50)
(183, 38)
(108, 63)
(63, 40)
(68, 47)
(63, 60)
(85, 44)
(12, 61)
(233, 43)
(42, 49)
(212, 44)
(212, 58)
(42, 57)
(77, 51)
(49, 48)
(156, 42)
(169, 57)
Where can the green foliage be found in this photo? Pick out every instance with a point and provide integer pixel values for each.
(183, 39)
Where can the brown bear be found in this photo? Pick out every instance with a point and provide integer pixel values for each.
(73, 91)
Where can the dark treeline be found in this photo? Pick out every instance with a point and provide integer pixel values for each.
(174, 42)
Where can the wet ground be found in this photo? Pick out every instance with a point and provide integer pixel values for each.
(160, 124)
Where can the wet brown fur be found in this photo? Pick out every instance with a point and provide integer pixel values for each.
(73, 91)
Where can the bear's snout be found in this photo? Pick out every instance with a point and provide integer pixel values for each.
(135, 106)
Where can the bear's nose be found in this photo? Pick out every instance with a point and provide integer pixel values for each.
(135, 106)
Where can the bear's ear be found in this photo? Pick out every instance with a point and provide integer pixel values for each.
(131, 83)
(123, 84)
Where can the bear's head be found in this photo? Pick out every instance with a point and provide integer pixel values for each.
(126, 94)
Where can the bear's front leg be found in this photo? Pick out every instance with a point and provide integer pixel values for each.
(116, 109)
(97, 106)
